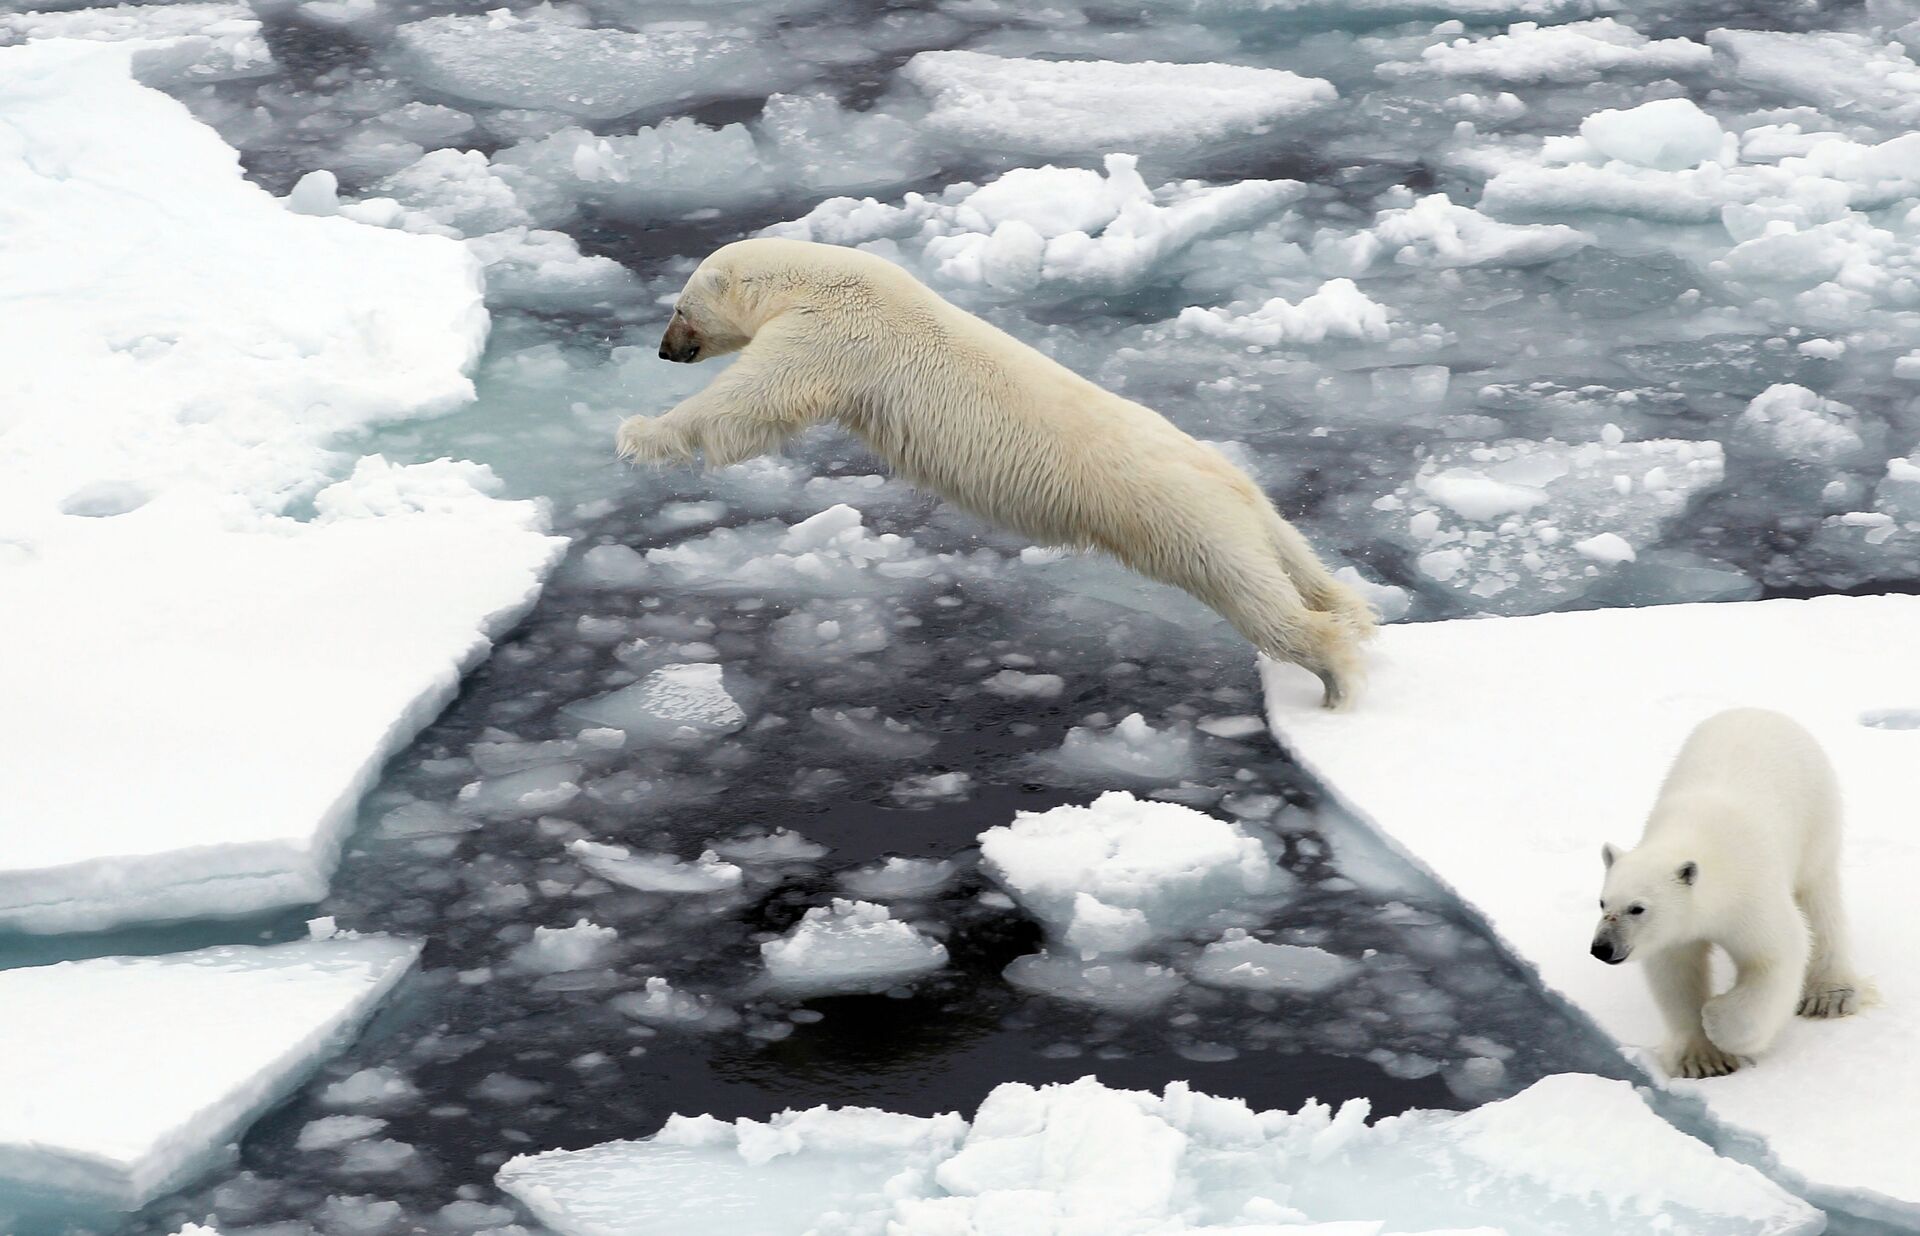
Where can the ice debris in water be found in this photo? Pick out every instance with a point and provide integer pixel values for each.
(899, 879)
(661, 1003)
(1123, 872)
(675, 701)
(1130, 750)
(133, 1072)
(1518, 527)
(1065, 107)
(850, 946)
(553, 949)
(657, 873)
(1053, 229)
(1793, 423)
(1238, 960)
(829, 554)
(1572, 1153)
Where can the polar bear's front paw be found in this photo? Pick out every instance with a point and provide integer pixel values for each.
(1830, 999)
(647, 439)
(1698, 1057)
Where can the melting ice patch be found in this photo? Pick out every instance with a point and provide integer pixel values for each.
(124, 1076)
(1576, 718)
(1066, 107)
(1518, 526)
(1571, 1154)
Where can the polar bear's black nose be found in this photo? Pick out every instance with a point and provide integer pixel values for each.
(1604, 951)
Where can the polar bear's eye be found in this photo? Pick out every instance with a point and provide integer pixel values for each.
(1636, 909)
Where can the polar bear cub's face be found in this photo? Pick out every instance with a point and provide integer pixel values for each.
(1646, 904)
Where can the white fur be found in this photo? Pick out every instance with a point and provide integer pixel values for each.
(1742, 852)
(960, 407)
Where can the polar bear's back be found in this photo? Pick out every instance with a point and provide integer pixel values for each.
(1769, 772)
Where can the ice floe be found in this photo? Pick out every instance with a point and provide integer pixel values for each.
(171, 403)
(1062, 107)
(1572, 1153)
(850, 946)
(1575, 52)
(124, 1076)
(1575, 718)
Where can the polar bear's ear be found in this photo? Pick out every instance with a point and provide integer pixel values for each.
(1687, 873)
(1607, 855)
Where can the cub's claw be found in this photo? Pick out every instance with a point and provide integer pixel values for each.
(1700, 1058)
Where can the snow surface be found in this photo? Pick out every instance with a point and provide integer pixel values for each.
(1064, 107)
(241, 672)
(1574, 719)
(1573, 1153)
(132, 1073)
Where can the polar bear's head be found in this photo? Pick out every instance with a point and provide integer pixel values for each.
(745, 285)
(1646, 904)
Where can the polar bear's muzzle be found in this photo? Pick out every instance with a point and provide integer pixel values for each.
(681, 343)
(1609, 947)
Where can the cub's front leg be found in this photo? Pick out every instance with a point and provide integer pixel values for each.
(748, 411)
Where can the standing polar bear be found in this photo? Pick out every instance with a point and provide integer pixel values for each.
(1742, 850)
(962, 408)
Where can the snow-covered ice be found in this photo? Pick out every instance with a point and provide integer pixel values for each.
(1574, 719)
(241, 672)
(1573, 1153)
(191, 42)
(850, 946)
(124, 1076)
(1062, 107)
(673, 701)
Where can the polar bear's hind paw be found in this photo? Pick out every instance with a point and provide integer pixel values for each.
(1830, 1000)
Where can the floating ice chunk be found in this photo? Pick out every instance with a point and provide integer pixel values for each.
(1237, 960)
(1433, 232)
(1019, 685)
(850, 946)
(522, 795)
(125, 1076)
(1066, 107)
(1579, 51)
(1503, 525)
(1797, 424)
(376, 1089)
(458, 189)
(899, 879)
(333, 1132)
(175, 43)
(673, 701)
(657, 873)
(553, 949)
(508, 61)
(1667, 135)
(1338, 310)
(1573, 1153)
(1843, 72)
(799, 1171)
(661, 1003)
(1126, 232)
(1121, 872)
(924, 787)
(1832, 1100)
(153, 440)
(779, 846)
(1608, 548)
(1131, 749)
